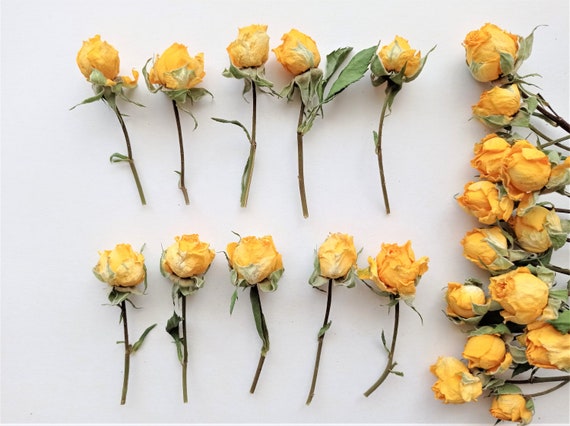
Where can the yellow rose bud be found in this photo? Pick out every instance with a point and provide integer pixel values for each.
(546, 347)
(460, 299)
(175, 69)
(298, 52)
(254, 259)
(522, 295)
(533, 228)
(501, 102)
(485, 248)
(251, 48)
(511, 407)
(525, 169)
(398, 54)
(489, 155)
(337, 256)
(487, 352)
(99, 55)
(455, 384)
(395, 269)
(560, 175)
(482, 200)
(187, 257)
(483, 48)
(120, 267)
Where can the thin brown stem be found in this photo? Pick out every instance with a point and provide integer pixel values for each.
(181, 184)
(380, 156)
(131, 161)
(301, 175)
(185, 352)
(123, 307)
(252, 147)
(257, 372)
(390, 364)
(321, 338)
(564, 380)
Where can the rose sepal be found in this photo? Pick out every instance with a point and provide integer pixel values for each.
(250, 75)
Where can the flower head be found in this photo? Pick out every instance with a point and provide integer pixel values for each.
(483, 50)
(335, 260)
(461, 299)
(298, 52)
(498, 106)
(483, 200)
(120, 267)
(251, 48)
(487, 352)
(546, 347)
(397, 55)
(455, 384)
(537, 228)
(487, 248)
(511, 407)
(175, 69)
(489, 155)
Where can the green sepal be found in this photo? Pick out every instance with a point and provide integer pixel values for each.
(525, 47)
(518, 353)
(259, 318)
(324, 329)
(97, 78)
(354, 71)
(173, 328)
(136, 346)
(507, 63)
(116, 297)
(420, 68)
(250, 75)
(507, 389)
(118, 158)
(233, 300)
(235, 123)
(497, 329)
(97, 97)
(562, 323)
(270, 283)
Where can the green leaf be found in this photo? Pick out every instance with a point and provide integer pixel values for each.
(521, 368)
(507, 389)
(97, 97)
(507, 63)
(173, 328)
(353, 72)
(139, 342)
(118, 158)
(259, 318)
(488, 329)
(324, 329)
(233, 300)
(116, 297)
(562, 323)
(234, 122)
(335, 60)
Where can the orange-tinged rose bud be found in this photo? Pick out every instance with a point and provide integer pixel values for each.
(395, 269)
(175, 69)
(298, 52)
(99, 55)
(533, 228)
(522, 295)
(460, 299)
(337, 256)
(483, 48)
(455, 384)
(546, 347)
(511, 407)
(187, 257)
(254, 259)
(489, 155)
(482, 200)
(398, 54)
(525, 169)
(487, 352)
(120, 267)
(251, 48)
(502, 102)
(485, 248)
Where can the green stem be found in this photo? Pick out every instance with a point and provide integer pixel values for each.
(301, 175)
(185, 352)
(564, 380)
(130, 154)
(390, 364)
(379, 152)
(123, 307)
(252, 147)
(539, 133)
(320, 344)
(257, 372)
(261, 327)
(557, 142)
(558, 269)
(181, 184)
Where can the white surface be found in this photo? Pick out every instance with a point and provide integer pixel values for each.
(62, 202)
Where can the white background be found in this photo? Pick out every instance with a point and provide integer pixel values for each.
(62, 201)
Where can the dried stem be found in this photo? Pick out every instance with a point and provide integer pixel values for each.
(252, 147)
(301, 175)
(185, 352)
(181, 184)
(123, 307)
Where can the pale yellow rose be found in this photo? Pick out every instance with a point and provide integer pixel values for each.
(96, 54)
(533, 228)
(483, 48)
(298, 52)
(525, 169)
(337, 256)
(455, 384)
(175, 69)
(254, 259)
(251, 48)
(511, 407)
(398, 54)
(483, 247)
(499, 101)
(120, 267)
(187, 257)
(395, 269)
(487, 352)
(482, 200)
(460, 299)
(489, 154)
(546, 347)
(522, 295)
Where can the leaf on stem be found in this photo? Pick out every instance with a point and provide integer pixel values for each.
(136, 346)
(234, 122)
(324, 329)
(173, 328)
(259, 318)
(118, 158)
